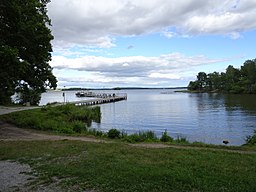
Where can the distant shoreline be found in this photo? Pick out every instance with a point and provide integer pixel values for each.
(120, 88)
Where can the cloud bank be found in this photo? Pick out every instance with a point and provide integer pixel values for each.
(134, 70)
(97, 22)
(84, 28)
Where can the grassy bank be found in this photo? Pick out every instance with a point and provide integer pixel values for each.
(61, 119)
(120, 167)
(71, 119)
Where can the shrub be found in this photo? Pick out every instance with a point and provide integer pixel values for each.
(182, 140)
(166, 138)
(95, 132)
(123, 134)
(251, 140)
(113, 133)
(141, 137)
(133, 138)
(78, 126)
(147, 136)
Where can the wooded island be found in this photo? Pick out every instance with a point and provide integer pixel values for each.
(234, 80)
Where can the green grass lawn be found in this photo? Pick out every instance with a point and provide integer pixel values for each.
(120, 167)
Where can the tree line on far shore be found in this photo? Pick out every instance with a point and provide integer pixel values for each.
(234, 80)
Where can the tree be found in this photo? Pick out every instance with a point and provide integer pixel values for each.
(248, 73)
(193, 85)
(202, 78)
(233, 76)
(25, 50)
(214, 81)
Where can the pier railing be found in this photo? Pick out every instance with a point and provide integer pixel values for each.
(100, 98)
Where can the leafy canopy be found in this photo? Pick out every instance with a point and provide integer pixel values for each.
(25, 50)
(232, 81)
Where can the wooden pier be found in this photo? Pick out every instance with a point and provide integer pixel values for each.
(101, 100)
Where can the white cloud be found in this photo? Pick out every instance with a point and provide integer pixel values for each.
(83, 27)
(95, 23)
(164, 75)
(127, 66)
(133, 70)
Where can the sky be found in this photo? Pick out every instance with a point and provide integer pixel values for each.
(148, 43)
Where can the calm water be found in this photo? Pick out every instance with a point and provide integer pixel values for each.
(209, 118)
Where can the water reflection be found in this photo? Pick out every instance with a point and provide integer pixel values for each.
(247, 103)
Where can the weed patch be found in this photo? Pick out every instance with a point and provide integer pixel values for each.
(67, 119)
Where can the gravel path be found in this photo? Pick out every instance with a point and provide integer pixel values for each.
(15, 176)
(10, 132)
(6, 110)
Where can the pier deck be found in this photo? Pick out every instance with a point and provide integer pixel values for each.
(101, 100)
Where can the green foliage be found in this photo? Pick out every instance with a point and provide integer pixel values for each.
(113, 133)
(181, 140)
(29, 95)
(133, 138)
(95, 132)
(78, 126)
(251, 140)
(232, 81)
(25, 50)
(62, 119)
(193, 85)
(166, 138)
(142, 136)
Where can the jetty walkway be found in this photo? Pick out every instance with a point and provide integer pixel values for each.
(101, 99)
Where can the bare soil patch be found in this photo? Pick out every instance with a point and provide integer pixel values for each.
(10, 132)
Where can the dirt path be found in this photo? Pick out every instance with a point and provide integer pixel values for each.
(160, 145)
(10, 132)
(6, 110)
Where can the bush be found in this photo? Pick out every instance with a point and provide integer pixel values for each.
(251, 140)
(148, 136)
(141, 137)
(113, 133)
(182, 140)
(133, 138)
(78, 126)
(166, 138)
(95, 132)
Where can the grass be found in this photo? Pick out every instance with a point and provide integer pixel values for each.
(71, 119)
(120, 167)
(61, 119)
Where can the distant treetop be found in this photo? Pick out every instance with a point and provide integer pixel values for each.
(234, 80)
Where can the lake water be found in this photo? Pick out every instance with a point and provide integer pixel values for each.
(209, 118)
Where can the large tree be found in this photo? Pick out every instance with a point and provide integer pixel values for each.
(25, 50)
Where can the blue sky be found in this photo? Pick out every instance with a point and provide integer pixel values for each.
(148, 43)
